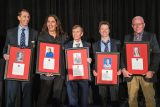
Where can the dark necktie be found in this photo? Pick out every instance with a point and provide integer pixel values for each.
(22, 39)
(78, 45)
(106, 46)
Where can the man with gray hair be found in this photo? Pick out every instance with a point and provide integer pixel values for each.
(145, 80)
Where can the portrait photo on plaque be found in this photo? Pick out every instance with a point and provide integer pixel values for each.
(137, 57)
(19, 64)
(48, 58)
(77, 65)
(107, 65)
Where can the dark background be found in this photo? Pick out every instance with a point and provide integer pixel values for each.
(87, 13)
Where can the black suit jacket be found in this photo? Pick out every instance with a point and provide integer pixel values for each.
(154, 50)
(115, 45)
(12, 38)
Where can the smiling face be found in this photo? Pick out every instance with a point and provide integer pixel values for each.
(77, 33)
(51, 24)
(138, 24)
(24, 18)
(104, 30)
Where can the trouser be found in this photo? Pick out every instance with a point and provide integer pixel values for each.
(147, 89)
(12, 90)
(104, 91)
(47, 87)
(78, 87)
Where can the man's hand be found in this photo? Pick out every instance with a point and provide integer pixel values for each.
(95, 73)
(89, 60)
(126, 73)
(119, 72)
(6, 56)
(49, 74)
(149, 74)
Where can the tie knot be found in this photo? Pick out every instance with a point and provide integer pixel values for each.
(106, 43)
(78, 45)
(23, 29)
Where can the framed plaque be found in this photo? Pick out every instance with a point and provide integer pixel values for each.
(48, 58)
(137, 57)
(107, 66)
(77, 65)
(18, 66)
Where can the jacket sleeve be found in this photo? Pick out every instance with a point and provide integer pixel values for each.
(154, 54)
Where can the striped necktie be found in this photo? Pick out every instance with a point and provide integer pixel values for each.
(106, 46)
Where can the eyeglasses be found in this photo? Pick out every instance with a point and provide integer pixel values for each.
(138, 24)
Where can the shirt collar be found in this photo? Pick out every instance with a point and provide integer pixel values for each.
(140, 34)
(75, 42)
(20, 27)
(106, 41)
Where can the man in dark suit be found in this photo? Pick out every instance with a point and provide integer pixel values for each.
(80, 86)
(106, 44)
(145, 80)
(22, 36)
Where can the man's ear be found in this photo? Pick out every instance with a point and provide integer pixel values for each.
(81, 34)
(18, 17)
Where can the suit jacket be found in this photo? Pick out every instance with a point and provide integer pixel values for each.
(12, 39)
(154, 50)
(97, 48)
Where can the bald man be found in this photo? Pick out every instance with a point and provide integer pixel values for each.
(144, 80)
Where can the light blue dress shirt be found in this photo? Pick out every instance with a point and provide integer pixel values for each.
(26, 35)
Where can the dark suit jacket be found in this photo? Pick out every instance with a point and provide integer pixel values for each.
(12, 39)
(97, 48)
(154, 50)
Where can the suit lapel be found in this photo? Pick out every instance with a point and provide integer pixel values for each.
(131, 38)
(15, 33)
(112, 46)
(144, 36)
(30, 37)
(71, 44)
(98, 46)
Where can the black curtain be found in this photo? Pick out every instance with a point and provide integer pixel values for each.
(87, 13)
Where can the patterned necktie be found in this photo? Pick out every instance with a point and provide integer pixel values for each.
(22, 39)
(106, 46)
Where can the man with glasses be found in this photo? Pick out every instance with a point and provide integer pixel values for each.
(144, 80)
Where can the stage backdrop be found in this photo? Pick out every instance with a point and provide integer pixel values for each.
(87, 13)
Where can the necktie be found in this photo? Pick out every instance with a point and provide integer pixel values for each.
(138, 38)
(106, 46)
(78, 45)
(22, 39)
